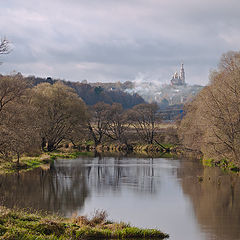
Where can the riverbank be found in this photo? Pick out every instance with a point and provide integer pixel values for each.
(45, 159)
(224, 164)
(19, 224)
(146, 149)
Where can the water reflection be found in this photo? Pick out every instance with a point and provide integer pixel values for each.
(60, 189)
(147, 192)
(106, 174)
(216, 200)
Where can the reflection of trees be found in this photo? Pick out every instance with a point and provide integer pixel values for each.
(60, 189)
(66, 185)
(114, 173)
(216, 200)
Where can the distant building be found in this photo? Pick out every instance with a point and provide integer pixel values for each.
(179, 80)
(84, 82)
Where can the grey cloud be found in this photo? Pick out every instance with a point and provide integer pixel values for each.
(116, 40)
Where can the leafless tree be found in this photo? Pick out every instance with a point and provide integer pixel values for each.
(4, 46)
(212, 122)
(16, 122)
(117, 124)
(143, 118)
(11, 88)
(98, 122)
(59, 111)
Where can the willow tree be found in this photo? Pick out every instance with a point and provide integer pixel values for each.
(59, 111)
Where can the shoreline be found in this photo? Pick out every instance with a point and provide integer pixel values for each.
(45, 159)
(21, 224)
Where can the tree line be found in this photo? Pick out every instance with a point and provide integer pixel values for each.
(41, 118)
(211, 124)
(94, 94)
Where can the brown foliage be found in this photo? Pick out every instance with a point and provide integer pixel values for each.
(212, 122)
(17, 132)
(59, 111)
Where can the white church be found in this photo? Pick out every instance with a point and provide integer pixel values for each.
(179, 80)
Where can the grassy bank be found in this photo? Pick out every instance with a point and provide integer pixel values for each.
(223, 164)
(25, 164)
(18, 224)
(44, 160)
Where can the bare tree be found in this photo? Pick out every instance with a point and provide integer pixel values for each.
(4, 46)
(98, 122)
(11, 88)
(117, 124)
(59, 111)
(143, 118)
(212, 122)
(16, 118)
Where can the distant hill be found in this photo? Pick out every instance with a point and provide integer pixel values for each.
(93, 94)
(163, 94)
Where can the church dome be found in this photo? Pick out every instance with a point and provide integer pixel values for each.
(175, 74)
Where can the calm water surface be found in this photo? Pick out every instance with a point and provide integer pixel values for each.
(154, 193)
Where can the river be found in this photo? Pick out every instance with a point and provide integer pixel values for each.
(178, 196)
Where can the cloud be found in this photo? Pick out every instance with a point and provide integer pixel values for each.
(116, 40)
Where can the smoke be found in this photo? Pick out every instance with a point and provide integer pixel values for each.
(152, 89)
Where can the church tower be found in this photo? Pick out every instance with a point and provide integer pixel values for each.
(182, 74)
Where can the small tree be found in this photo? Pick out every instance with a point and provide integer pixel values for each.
(4, 46)
(98, 121)
(117, 124)
(143, 118)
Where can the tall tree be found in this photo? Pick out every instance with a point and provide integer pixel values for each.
(16, 118)
(217, 112)
(11, 89)
(59, 111)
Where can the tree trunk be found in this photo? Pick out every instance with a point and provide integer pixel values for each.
(18, 160)
(50, 147)
(43, 144)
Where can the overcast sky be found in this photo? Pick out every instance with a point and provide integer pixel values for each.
(118, 40)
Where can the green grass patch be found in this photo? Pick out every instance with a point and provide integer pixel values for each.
(89, 142)
(25, 164)
(70, 155)
(208, 162)
(21, 225)
(32, 163)
(224, 164)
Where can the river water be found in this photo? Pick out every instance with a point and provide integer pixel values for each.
(178, 196)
